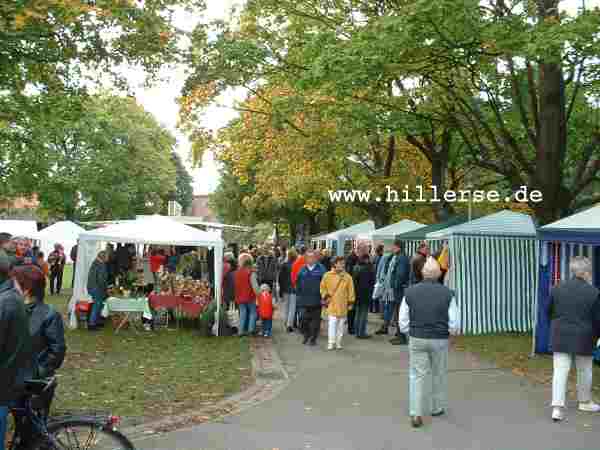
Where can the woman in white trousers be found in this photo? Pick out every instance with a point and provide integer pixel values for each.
(575, 314)
(286, 290)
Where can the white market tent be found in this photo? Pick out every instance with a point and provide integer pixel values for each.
(65, 233)
(151, 230)
(493, 270)
(24, 228)
(389, 232)
(339, 237)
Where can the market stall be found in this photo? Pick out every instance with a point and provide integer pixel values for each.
(493, 264)
(576, 235)
(65, 233)
(412, 239)
(152, 230)
(387, 234)
(337, 239)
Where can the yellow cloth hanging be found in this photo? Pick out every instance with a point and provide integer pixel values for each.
(443, 259)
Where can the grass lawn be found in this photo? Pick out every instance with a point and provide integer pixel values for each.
(149, 374)
(511, 351)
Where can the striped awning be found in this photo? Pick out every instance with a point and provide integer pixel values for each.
(495, 279)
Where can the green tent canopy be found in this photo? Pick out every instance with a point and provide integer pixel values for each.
(413, 238)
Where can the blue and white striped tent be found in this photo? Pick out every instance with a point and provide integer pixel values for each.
(337, 239)
(388, 233)
(576, 235)
(493, 269)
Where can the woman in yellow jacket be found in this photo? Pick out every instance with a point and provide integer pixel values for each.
(337, 292)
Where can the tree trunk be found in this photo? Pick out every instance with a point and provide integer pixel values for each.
(331, 217)
(293, 232)
(439, 170)
(548, 177)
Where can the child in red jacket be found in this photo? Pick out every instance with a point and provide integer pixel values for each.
(265, 310)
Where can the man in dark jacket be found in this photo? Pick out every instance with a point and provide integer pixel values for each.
(364, 282)
(308, 293)
(266, 269)
(97, 286)
(74, 259)
(399, 282)
(15, 342)
(574, 311)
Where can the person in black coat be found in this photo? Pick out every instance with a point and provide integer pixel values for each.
(288, 297)
(575, 314)
(364, 283)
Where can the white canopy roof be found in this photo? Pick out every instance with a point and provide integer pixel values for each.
(65, 233)
(25, 228)
(390, 231)
(588, 220)
(352, 231)
(503, 223)
(157, 230)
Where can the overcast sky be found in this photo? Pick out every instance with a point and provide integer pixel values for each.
(161, 99)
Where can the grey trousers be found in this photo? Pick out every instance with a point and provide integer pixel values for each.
(428, 375)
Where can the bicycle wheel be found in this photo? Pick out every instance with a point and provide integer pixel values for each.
(81, 434)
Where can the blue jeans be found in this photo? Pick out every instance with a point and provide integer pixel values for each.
(247, 318)
(388, 312)
(361, 319)
(267, 327)
(3, 419)
(98, 298)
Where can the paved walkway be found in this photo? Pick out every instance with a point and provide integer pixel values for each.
(357, 399)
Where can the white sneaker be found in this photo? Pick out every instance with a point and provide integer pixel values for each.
(589, 407)
(339, 346)
(557, 414)
(330, 347)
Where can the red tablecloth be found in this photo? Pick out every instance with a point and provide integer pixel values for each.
(187, 305)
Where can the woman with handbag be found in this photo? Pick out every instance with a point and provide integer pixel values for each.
(337, 291)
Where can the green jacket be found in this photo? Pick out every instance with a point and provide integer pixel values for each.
(98, 277)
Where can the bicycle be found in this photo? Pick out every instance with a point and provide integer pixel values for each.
(36, 430)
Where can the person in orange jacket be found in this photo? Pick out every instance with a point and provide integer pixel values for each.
(265, 310)
(298, 264)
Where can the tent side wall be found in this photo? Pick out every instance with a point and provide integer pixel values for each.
(496, 282)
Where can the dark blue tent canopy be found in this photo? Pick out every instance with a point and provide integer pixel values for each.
(576, 235)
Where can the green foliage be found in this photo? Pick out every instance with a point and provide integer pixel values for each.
(184, 193)
(98, 157)
(60, 43)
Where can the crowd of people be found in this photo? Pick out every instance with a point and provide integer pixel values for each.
(411, 293)
(32, 336)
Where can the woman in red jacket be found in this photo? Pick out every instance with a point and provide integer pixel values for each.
(246, 290)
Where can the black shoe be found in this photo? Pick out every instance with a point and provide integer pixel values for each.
(290, 330)
(416, 421)
(441, 412)
(312, 342)
(305, 341)
(366, 336)
(381, 331)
